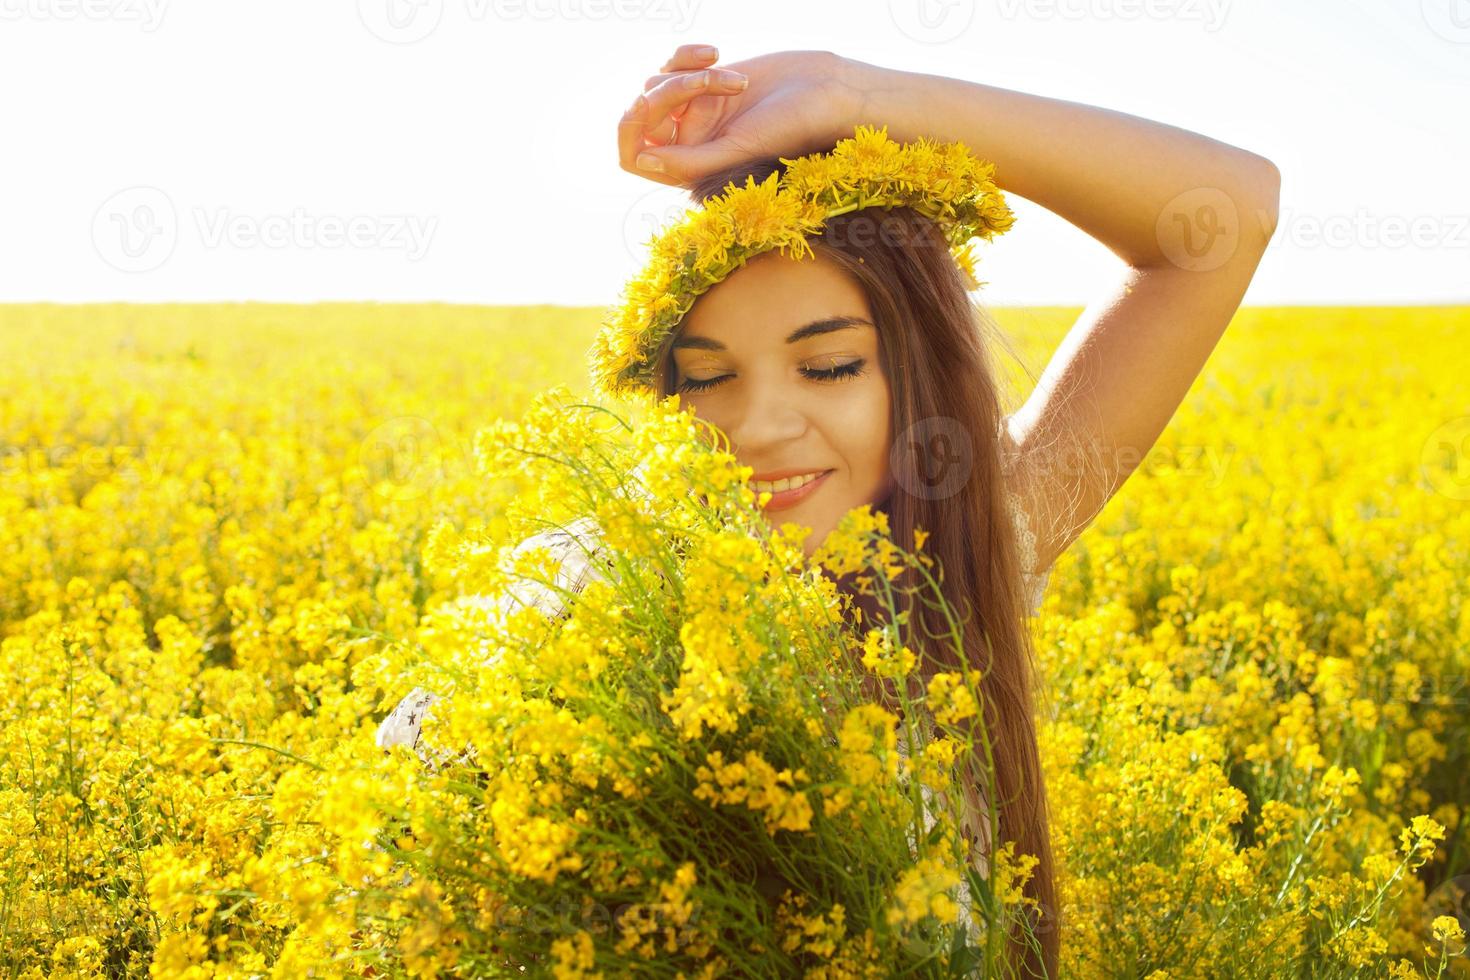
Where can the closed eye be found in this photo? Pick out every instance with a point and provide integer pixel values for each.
(852, 369)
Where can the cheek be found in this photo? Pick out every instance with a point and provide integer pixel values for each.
(864, 431)
(704, 412)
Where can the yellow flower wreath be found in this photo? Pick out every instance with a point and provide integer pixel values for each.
(942, 181)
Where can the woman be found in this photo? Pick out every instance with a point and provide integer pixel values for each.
(896, 355)
(861, 377)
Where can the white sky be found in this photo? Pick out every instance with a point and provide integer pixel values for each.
(162, 150)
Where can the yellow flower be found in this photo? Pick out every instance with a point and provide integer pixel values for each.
(880, 656)
(941, 181)
(849, 546)
(924, 890)
(950, 698)
(757, 784)
(1447, 931)
(573, 958)
(1417, 839)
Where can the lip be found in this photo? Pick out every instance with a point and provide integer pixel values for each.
(790, 498)
(771, 476)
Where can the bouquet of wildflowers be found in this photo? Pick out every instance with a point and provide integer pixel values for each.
(679, 767)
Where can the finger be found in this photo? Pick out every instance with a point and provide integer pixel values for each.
(631, 140)
(718, 74)
(723, 81)
(673, 94)
(680, 165)
(648, 117)
(637, 128)
(692, 56)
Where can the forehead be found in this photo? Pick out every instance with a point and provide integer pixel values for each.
(770, 295)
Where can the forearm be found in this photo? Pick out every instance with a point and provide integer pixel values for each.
(1113, 175)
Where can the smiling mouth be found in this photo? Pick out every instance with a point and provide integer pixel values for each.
(798, 489)
(787, 483)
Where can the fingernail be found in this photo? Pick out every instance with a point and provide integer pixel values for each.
(639, 104)
(740, 82)
(697, 80)
(647, 161)
(708, 51)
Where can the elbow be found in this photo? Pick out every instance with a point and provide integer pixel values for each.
(1263, 194)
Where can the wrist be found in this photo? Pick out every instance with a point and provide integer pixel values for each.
(871, 95)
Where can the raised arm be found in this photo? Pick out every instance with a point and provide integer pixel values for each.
(1190, 216)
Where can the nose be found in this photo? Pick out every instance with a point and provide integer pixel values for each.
(768, 417)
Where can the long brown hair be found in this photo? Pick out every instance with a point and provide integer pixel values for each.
(946, 396)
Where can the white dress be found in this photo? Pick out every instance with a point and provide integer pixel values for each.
(575, 547)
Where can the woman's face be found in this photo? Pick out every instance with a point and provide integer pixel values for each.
(783, 357)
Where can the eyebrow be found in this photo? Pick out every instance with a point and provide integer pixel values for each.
(813, 329)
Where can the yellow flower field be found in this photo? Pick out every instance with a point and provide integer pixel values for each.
(214, 522)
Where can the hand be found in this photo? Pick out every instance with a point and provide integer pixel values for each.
(787, 103)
